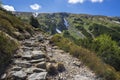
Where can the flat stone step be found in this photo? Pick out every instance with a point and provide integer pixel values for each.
(38, 76)
(16, 68)
(38, 54)
(41, 65)
(27, 56)
(19, 75)
(37, 61)
(33, 70)
(22, 63)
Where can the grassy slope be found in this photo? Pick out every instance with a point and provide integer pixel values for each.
(89, 58)
(84, 23)
(79, 24)
(11, 30)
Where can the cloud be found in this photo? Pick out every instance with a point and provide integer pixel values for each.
(35, 7)
(94, 1)
(82, 1)
(75, 1)
(8, 8)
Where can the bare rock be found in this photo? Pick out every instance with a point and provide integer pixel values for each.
(3, 76)
(38, 54)
(21, 63)
(16, 68)
(19, 75)
(51, 68)
(38, 76)
(41, 65)
(34, 69)
(27, 56)
(37, 61)
(60, 67)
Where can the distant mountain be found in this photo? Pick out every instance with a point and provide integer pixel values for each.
(79, 25)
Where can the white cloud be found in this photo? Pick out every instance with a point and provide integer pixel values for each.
(35, 7)
(8, 8)
(82, 1)
(75, 1)
(94, 1)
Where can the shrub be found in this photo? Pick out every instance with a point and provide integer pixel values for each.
(89, 58)
(7, 48)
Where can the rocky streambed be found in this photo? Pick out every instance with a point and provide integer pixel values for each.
(38, 60)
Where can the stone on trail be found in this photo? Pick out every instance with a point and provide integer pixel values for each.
(24, 64)
(16, 68)
(38, 76)
(27, 56)
(28, 43)
(3, 76)
(19, 75)
(38, 54)
(41, 65)
(33, 69)
(37, 61)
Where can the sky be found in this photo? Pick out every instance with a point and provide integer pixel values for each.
(93, 7)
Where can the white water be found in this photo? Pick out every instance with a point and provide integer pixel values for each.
(117, 22)
(66, 23)
(58, 31)
(35, 14)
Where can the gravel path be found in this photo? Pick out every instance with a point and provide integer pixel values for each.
(29, 63)
(75, 70)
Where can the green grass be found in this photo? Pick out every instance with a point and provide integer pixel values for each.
(10, 24)
(8, 47)
(87, 57)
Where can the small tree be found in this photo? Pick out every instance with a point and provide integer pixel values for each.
(34, 22)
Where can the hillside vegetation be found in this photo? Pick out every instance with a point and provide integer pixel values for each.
(12, 29)
(88, 57)
(92, 38)
(79, 25)
(13, 26)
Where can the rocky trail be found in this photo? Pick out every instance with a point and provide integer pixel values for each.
(38, 60)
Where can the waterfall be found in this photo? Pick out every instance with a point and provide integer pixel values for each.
(58, 31)
(66, 23)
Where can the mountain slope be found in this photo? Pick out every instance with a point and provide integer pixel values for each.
(85, 37)
(12, 29)
(79, 25)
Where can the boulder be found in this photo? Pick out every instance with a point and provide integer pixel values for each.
(38, 54)
(38, 70)
(3, 76)
(19, 75)
(21, 63)
(33, 69)
(28, 43)
(27, 56)
(51, 69)
(41, 65)
(77, 63)
(37, 61)
(40, 38)
(16, 68)
(60, 67)
(38, 76)
(27, 35)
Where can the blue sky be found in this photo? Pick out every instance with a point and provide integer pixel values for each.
(94, 7)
